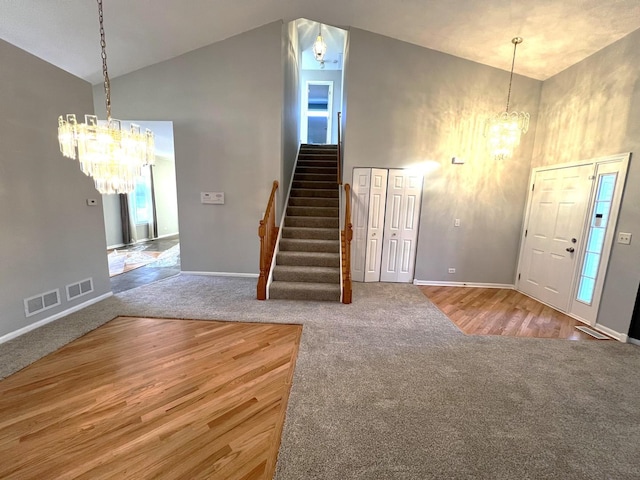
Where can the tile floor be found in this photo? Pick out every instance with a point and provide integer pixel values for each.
(147, 274)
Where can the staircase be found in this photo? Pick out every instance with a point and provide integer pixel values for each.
(308, 262)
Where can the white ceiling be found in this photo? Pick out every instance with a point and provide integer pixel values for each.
(557, 33)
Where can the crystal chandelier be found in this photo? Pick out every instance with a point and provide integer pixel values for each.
(504, 129)
(113, 156)
(319, 47)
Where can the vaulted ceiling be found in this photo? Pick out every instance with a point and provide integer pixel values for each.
(557, 33)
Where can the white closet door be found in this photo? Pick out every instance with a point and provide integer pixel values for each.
(360, 217)
(404, 196)
(375, 233)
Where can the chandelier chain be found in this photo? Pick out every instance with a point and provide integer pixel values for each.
(515, 42)
(105, 73)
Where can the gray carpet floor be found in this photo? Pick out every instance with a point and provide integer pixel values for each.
(389, 388)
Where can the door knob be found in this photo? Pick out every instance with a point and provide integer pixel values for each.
(571, 249)
(393, 235)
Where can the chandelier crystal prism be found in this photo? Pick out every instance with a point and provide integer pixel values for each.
(112, 155)
(319, 47)
(503, 130)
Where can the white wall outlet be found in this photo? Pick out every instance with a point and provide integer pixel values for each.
(452, 270)
(212, 198)
(624, 238)
(456, 222)
(92, 202)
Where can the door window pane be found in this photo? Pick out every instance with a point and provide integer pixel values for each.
(595, 240)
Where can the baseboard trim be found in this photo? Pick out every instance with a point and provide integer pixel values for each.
(464, 284)
(633, 341)
(621, 337)
(40, 323)
(221, 274)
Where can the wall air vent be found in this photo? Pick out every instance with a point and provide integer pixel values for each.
(41, 302)
(76, 290)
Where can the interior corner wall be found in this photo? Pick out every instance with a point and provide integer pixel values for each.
(334, 76)
(50, 237)
(290, 109)
(419, 109)
(592, 110)
(225, 101)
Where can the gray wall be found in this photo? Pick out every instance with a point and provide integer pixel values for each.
(334, 76)
(225, 101)
(290, 110)
(421, 108)
(164, 180)
(591, 110)
(112, 223)
(49, 237)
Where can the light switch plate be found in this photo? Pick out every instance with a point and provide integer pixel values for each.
(212, 198)
(624, 238)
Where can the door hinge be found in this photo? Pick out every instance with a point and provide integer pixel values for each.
(518, 276)
(533, 187)
(525, 232)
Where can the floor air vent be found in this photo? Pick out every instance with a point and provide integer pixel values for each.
(41, 302)
(76, 290)
(593, 333)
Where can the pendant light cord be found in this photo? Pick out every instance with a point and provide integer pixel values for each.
(105, 73)
(515, 42)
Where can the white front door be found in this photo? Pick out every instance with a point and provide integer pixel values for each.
(404, 196)
(554, 233)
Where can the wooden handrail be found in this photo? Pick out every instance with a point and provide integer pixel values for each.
(268, 233)
(347, 236)
(339, 148)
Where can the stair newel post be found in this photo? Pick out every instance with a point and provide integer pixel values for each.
(268, 234)
(348, 236)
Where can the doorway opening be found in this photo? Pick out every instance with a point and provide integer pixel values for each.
(317, 111)
(141, 227)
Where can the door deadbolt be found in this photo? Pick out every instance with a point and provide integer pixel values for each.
(574, 240)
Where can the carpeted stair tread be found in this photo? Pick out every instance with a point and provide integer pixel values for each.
(313, 211)
(311, 233)
(331, 185)
(312, 222)
(306, 274)
(313, 202)
(309, 245)
(323, 170)
(311, 259)
(327, 292)
(315, 177)
(311, 192)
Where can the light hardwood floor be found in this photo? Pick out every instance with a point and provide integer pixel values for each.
(150, 398)
(493, 311)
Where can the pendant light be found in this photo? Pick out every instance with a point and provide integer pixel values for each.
(111, 155)
(504, 129)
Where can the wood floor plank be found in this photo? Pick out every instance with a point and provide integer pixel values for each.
(151, 398)
(495, 311)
